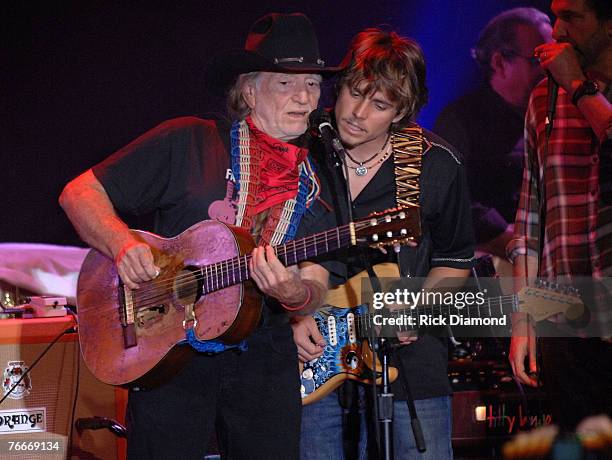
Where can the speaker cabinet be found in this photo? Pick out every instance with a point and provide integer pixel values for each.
(36, 419)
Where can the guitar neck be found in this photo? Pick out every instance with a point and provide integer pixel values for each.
(491, 306)
(501, 305)
(234, 271)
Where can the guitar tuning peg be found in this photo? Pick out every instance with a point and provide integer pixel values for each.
(553, 286)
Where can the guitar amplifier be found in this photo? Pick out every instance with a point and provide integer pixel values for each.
(35, 419)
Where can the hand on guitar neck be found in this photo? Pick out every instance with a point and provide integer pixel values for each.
(303, 289)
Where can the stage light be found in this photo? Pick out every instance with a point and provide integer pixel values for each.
(480, 413)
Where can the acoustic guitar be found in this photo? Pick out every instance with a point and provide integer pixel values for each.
(204, 286)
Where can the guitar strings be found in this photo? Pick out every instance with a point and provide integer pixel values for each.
(364, 322)
(145, 298)
(492, 303)
(225, 271)
(148, 296)
(231, 268)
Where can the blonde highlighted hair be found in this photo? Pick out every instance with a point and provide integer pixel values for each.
(389, 63)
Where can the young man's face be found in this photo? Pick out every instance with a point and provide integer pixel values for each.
(364, 118)
(280, 103)
(577, 24)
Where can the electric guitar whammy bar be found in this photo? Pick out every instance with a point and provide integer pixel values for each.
(203, 286)
(348, 355)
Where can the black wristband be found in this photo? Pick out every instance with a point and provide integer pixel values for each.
(586, 88)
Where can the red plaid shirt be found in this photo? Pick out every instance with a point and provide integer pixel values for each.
(578, 225)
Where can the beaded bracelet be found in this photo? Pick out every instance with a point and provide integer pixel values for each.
(303, 304)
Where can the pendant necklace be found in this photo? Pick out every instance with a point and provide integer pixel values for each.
(362, 169)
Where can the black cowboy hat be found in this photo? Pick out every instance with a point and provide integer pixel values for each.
(276, 43)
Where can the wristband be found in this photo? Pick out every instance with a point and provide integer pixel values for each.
(303, 304)
(586, 88)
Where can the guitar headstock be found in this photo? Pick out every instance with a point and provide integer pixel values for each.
(395, 226)
(545, 299)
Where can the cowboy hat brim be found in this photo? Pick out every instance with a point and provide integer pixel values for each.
(223, 69)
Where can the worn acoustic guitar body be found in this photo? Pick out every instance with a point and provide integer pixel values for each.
(204, 287)
(132, 337)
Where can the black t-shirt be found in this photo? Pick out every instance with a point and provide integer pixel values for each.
(488, 132)
(447, 241)
(181, 172)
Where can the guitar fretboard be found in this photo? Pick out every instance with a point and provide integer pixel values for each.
(233, 271)
(491, 307)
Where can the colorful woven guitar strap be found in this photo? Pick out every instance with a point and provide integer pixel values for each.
(282, 220)
(407, 155)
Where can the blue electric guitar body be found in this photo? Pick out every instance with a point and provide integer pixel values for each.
(348, 356)
(344, 357)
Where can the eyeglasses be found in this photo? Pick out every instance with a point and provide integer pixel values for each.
(533, 60)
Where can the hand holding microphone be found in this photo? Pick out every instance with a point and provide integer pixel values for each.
(553, 92)
(561, 60)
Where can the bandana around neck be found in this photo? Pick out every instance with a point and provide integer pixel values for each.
(279, 168)
(252, 152)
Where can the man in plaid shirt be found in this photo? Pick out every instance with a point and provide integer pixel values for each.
(571, 169)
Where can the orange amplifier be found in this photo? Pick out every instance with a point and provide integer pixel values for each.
(35, 419)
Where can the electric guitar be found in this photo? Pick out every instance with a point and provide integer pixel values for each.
(204, 287)
(348, 355)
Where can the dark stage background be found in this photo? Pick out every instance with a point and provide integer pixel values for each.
(81, 79)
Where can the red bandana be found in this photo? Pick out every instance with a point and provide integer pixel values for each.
(279, 175)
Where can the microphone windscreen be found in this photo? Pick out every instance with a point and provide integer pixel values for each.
(318, 117)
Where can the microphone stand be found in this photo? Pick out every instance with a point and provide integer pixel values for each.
(383, 401)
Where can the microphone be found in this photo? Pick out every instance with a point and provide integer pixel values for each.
(320, 125)
(319, 122)
(553, 92)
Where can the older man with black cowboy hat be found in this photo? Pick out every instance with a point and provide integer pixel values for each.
(254, 174)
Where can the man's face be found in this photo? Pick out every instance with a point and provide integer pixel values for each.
(364, 118)
(577, 24)
(280, 103)
(522, 69)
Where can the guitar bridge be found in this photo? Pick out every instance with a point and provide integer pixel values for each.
(126, 308)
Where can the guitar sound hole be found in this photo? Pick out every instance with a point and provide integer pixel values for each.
(186, 287)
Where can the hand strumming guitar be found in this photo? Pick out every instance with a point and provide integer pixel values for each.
(308, 338)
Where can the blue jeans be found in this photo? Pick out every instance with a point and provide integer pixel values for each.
(435, 415)
(322, 430)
